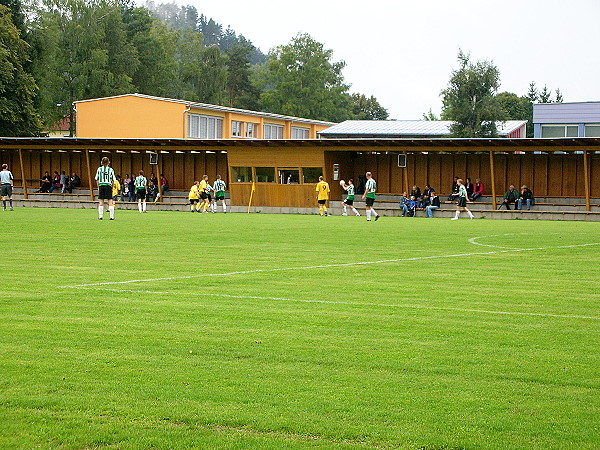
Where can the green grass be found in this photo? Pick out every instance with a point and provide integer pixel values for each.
(488, 348)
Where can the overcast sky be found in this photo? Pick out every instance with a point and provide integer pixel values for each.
(402, 52)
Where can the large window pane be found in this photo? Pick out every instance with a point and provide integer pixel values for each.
(265, 174)
(241, 174)
(592, 130)
(289, 176)
(311, 174)
(572, 131)
(553, 131)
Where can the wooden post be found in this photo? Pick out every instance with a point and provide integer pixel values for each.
(493, 180)
(23, 180)
(159, 167)
(405, 173)
(89, 172)
(586, 178)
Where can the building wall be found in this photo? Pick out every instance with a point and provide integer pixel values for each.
(577, 115)
(130, 117)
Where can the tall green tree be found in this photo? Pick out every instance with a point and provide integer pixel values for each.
(82, 52)
(545, 95)
(18, 116)
(469, 100)
(517, 108)
(306, 82)
(429, 115)
(532, 94)
(367, 108)
(241, 92)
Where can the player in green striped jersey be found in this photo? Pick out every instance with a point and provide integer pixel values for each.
(105, 176)
(462, 200)
(219, 188)
(349, 201)
(140, 184)
(369, 196)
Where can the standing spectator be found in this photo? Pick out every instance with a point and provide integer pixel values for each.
(64, 182)
(525, 197)
(132, 188)
(462, 201)
(454, 193)
(511, 196)
(6, 186)
(55, 182)
(477, 189)
(434, 203)
(46, 182)
(164, 183)
(469, 188)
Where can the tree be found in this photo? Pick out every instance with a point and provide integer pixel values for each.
(367, 108)
(240, 90)
(469, 100)
(545, 95)
(517, 108)
(18, 116)
(533, 95)
(559, 97)
(430, 115)
(306, 82)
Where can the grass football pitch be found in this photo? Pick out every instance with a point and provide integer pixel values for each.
(181, 330)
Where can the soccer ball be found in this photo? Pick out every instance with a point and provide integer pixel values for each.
(342, 183)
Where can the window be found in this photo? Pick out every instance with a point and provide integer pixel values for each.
(592, 130)
(560, 131)
(241, 174)
(289, 176)
(300, 133)
(251, 130)
(236, 128)
(265, 174)
(205, 127)
(311, 174)
(273, 131)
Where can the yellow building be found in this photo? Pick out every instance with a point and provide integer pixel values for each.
(144, 116)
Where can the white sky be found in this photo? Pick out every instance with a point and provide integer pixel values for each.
(402, 52)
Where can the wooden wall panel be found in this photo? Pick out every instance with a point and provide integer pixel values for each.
(569, 175)
(271, 194)
(540, 175)
(595, 175)
(554, 176)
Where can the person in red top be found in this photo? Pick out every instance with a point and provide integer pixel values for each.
(477, 189)
(164, 183)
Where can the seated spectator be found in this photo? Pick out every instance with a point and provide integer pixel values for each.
(454, 191)
(73, 182)
(511, 196)
(64, 182)
(46, 182)
(164, 183)
(153, 178)
(525, 197)
(469, 188)
(416, 193)
(404, 202)
(434, 203)
(55, 182)
(125, 187)
(152, 192)
(426, 196)
(477, 190)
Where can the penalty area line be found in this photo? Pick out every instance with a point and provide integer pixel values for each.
(333, 302)
(327, 266)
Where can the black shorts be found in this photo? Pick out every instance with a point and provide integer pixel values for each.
(140, 194)
(321, 202)
(369, 201)
(462, 202)
(105, 193)
(348, 202)
(194, 200)
(220, 197)
(203, 195)
(6, 190)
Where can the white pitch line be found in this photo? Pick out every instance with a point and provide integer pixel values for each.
(325, 266)
(331, 302)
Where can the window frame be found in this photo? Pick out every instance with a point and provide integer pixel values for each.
(195, 121)
(271, 127)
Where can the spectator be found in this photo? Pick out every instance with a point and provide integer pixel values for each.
(73, 183)
(511, 196)
(55, 182)
(416, 193)
(164, 184)
(477, 189)
(454, 193)
(525, 197)
(132, 189)
(412, 206)
(153, 179)
(434, 203)
(152, 192)
(469, 188)
(427, 196)
(404, 202)
(64, 182)
(46, 182)
(125, 187)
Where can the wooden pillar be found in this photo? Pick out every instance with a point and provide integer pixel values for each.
(23, 180)
(159, 167)
(89, 172)
(493, 179)
(586, 178)
(405, 173)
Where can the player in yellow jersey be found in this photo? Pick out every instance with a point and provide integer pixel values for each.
(204, 194)
(194, 196)
(116, 188)
(322, 190)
